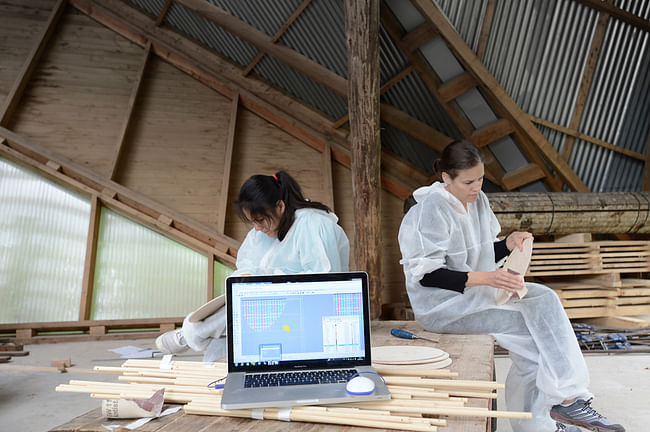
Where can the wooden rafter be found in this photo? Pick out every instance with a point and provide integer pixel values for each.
(486, 26)
(579, 135)
(274, 106)
(119, 146)
(163, 12)
(12, 99)
(585, 84)
(278, 35)
(501, 102)
(494, 171)
(383, 89)
(266, 44)
(618, 13)
(417, 129)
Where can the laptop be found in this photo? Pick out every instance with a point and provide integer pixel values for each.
(298, 340)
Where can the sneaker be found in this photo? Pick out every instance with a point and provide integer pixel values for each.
(580, 413)
(171, 342)
(564, 428)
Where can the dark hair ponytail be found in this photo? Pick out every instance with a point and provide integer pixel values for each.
(457, 156)
(260, 194)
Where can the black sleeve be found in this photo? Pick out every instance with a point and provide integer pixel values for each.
(500, 250)
(445, 279)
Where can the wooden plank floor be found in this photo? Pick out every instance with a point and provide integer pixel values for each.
(472, 355)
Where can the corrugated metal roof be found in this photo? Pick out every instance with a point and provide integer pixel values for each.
(151, 7)
(210, 35)
(536, 50)
(305, 89)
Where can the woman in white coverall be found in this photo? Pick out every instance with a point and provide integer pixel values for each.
(290, 235)
(449, 246)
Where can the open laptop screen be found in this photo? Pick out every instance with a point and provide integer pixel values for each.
(297, 321)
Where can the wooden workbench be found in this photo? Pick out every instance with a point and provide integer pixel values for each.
(472, 357)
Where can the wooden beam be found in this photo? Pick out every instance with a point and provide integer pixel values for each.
(483, 76)
(362, 33)
(227, 164)
(210, 284)
(278, 35)
(414, 127)
(585, 84)
(328, 181)
(295, 118)
(163, 12)
(493, 169)
(646, 168)
(486, 25)
(588, 138)
(12, 99)
(119, 146)
(618, 13)
(89, 263)
(492, 132)
(457, 86)
(522, 176)
(419, 36)
(265, 43)
(384, 88)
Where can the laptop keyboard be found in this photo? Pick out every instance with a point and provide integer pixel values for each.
(298, 378)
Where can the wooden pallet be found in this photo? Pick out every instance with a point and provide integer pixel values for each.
(569, 259)
(609, 297)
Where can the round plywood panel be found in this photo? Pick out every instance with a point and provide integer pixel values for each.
(407, 354)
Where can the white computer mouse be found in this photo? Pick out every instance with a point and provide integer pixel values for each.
(359, 386)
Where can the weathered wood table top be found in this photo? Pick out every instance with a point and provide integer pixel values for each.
(472, 355)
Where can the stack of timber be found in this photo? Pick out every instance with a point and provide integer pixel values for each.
(420, 399)
(595, 279)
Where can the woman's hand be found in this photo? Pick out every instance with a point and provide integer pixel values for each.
(517, 238)
(499, 278)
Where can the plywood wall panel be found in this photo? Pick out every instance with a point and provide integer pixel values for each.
(175, 150)
(263, 148)
(391, 218)
(74, 104)
(21, 22)
(393, 285)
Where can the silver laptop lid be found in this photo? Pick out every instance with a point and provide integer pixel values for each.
(296, 322)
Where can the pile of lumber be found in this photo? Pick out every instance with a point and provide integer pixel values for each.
(598, 257)
(595, 279)
(607, 297)
(420, 398)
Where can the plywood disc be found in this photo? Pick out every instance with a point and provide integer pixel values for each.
(407, 354)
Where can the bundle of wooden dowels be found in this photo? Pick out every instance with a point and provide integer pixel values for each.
(416, 395)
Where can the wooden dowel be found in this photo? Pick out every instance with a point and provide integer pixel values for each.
(416, 372)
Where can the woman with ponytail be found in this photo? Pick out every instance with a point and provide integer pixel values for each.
(290, 234)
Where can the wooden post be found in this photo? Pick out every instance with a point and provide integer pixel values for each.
(645, 186)
(362, 33)
(89, 263)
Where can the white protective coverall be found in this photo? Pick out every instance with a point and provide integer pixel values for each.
(547, 365)
(315, 243)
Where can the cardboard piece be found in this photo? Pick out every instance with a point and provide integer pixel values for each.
(516, 263)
